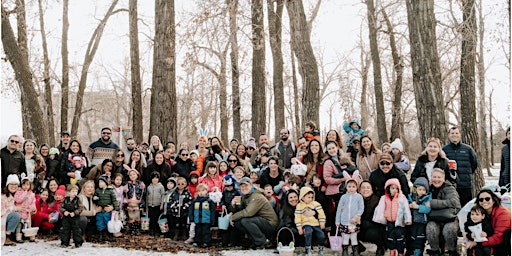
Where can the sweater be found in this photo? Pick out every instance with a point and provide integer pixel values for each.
(154, 194)
(467, 162)
(350, 205)
(99, 151)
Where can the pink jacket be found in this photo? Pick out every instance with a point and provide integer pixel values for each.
(216, 181)
(333, 184)
(7, 208)
(26, 201)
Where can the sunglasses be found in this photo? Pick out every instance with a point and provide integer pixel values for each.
(107, 133)
(15, 141)
(385, 163)
(232, 160)
(487, 199)
(355, 142)
(184, 154)
(145, 147)
(120, 155)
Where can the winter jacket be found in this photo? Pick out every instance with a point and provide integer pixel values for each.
(89, 209)
(467, 162)
(420, 169)
(402, 214)
(403, 164)
(227, 197)
(300, 219)
(500, 219)
(253, 204)
(134, 191)
(486, 226)
(378, 179)
(445, 197)
(166, 199)
(164, 170)
(119, 193)
(366, 166)
(43, 209)
(154, 194)
(99, 151)
(183, 168)
(215, 181)
(7, 208)
(106, 196)
(25, 201)
(53, 169)
(333, 184)
(350, 131)
(370, 203)
(350, 205)
(202, 211)
(266, 179)
(179, 204)
(505, 164)
(12, 163)
(71, 205)
(420, 215)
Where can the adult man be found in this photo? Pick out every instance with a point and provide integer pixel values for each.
(65, 139)
(286, 149)
(467, 163)
(101, 149)
(263, 139)
(13, 161)
(130, 147)
(253, 215)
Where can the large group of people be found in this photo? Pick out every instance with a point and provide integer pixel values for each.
(316, 189)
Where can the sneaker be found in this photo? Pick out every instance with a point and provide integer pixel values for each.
(64, 246)
(195, 245)
(189, 240)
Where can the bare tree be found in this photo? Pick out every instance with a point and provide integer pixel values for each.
(135, 72)
(64, 104)
(258, 69)
(295, 95)
(235, 80)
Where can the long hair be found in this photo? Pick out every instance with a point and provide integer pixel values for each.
(438, 142)
(337, 145)
(363, 152)
(36, 151)
(309, 158)
(140, 165)
(80, 150)
(495, 199)
(337, 140)
(245, 148)
(287, 210)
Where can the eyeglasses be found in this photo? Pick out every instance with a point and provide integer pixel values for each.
(184, 154)
(385, 163)
(15, 141)
(182, 184)
(232, 160)
(107, 133)
(119, 155)
(487, 199)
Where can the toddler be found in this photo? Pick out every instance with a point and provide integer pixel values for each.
(353, 128)
(229, 237)
(310, 226)
(478, 216)
(178, 207)
(202, 213)
(71, 208)
(254, 178)
(25, 201)
(104, 196)
(154, 194)
(78, 167)
(121, 201)
(348, 216)
(271, 197)
(419, 202)
(52, 165)
(311, 132)
(239, 173)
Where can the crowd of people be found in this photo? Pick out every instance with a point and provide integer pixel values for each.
(316, 189)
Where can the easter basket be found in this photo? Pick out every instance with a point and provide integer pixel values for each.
(286, 250)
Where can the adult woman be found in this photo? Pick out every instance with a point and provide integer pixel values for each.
(432, 157)
(118, 160)
(505, 161)
(444, 196)
(105, 168)
(183, 165)
(333, 135)
(155, 145)
(241, 153)
(273, 174)
(36, 167)
(136, 160)
(368, 157)
(313, 160)
(66, 165)
(218, 142)
(44, 150)
(168, 157)
(160, 166)
(233, 162)
(399, 157)
(370, 231)
(286, 216)
(387, 170)
(10, 218)
(332, 167)
(88, 214)
(500, 220)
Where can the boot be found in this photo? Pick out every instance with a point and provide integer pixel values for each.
(19, 238)
(418, 252)
(176, 235)
(8, 241)
(392, 252)
(345, 250)
(109, 236)
(380, 251)
(137, 228)
(362, 248)
(355, 250)
(433, 252)
(453, 253)
(100, 237)
(320, 251)
(308, 251)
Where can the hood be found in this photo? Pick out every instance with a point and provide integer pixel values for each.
(194, 172)
(304, 191)
(421, 181)
(357, 122)
(392, 181)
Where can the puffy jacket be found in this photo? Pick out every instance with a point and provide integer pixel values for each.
(227, 197)
(202, 210)
(25, 201)
(215, 181)
(179, 204)
(183, 168)
(467, 162)
(350, 205)
(420, 169)
(505, 164)
(253, 204)
(444, 197)
(420, 215)
(403, 213)
(106, 197)
(333, 184)
(154, 194)
(300, 219)
(378, 179)
(71, 205)
(500, 218)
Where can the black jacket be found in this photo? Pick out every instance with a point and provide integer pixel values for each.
(420, 169)
(505, 164)
(467, 162)
(183, 168)
(164, 170)
(12, 163)
(378, 179)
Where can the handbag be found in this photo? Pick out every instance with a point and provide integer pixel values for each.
(114, 225)
(336, 241)
(223, 220)
(444, 215)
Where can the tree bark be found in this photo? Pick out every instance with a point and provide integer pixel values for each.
(235, 80)
(377, 76)
(258, 69)
(163, 92)
(64, 103)
(135, 72)
(426, 69)
(31, 110)
(46, 78)
(296, 104)
(275, 14)
(92, 47)
(365, 69)
(307, 62)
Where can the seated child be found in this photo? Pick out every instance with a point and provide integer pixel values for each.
(351, 128)
(310, 226)
(254, 178)
(311, 132)
(478, 216)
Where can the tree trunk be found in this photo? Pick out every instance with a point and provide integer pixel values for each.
(135, 72)
(275, 13)
(301, 45)
(64, 103)
(491, 134)
(258, 69)
(46, 78)
(398, 66)
(365, 68)
(92, 47)
(163, 94)
(22, 43)
(296, 106)
(426, 69)
(31, 110)
(235, 81)
(377, 77)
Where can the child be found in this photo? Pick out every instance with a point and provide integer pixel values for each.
(310, 226)
(223, 169)
(292, 182)
(166, 200)
(71, 208)
(419, 202)
(25, 201)
(352, 128)
(119, 193)
(192, 186)
(134, 193)
(229, 237)
(253, 175)
(478, 216)
(104, 196)
(271, 197)
(41, 218)
(348, 216)
(78, 167)
(319, 190)
(178, 208)
(154, 194)
(238, 174)
(202, 213)
(198, 161)
(393, 211)
(212, 178)
(52, 165)
(311, 132)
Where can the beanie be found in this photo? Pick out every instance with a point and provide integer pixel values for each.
(77, 158)
(172, 180)
(13, 179)
(397, 144)
(228, 180)
(251, 143)
(54, 151)
(104, 178)
(421, 181)
(61, 191)
(194, 152)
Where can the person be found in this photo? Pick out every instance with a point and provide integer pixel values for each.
(333, 135)
(505, 161)
(432, 157)
(104, 196)
(202, 213)
(25, 202)
(41, 218)
(385, 147)
(202, 142)
(241, 153)
(419, 202)
(134, 194)
(178, 208)
(393, 210)
(229, 236)
(67, 165)
(65, 142)
(155, 145)
(13, 161)
(352, 128)
(52, 166)
(183, 165)
(368, 157)
(131, 145)
(314, 160)
(194, 181)
(212, 178)
(158, 165)
(118, 159)
(252, 153)
(154, 193)
(10, 217)
(272, 175)
(467, 162)
(136, 159)
(233, 144)
(104, 169)
(253, 215)
(71, 208)
(101, 149)
(118, 188)
(286, 148)
(444, 196)
(370, 231)
(386, 170)
(172, 147)
(263, 140)
(144, 149)
(348, 216)
(88, 214)
(311, 226)
(35, 165)
(500, 220)
(399, 157)
(354, 147)
(311, 132)
(478, 217)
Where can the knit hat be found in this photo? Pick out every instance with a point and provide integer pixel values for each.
(386, 156)
(194, 152)
(246, 180)
(228, 180)
(397, 144)
(12, 179)
(54, 151)
(172, 180)
(104, 178)
(196, 173)
(421, 181)
(61, 191)
(251, 143)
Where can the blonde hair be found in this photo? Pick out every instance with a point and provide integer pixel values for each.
(71, 187)
(438, 142)
(202, 187)
(439, 170)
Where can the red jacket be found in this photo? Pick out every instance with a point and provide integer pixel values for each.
(44, 210)
(500, 219)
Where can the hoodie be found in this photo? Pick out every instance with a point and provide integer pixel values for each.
(300, 219)
(350, 205)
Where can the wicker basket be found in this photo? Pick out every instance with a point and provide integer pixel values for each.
(30, 232)
(287, 250)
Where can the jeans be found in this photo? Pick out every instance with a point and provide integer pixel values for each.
(13, 219)
(102, 219)
(257, 228)
(317, 232)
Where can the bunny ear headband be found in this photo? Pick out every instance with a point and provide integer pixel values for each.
(132, 169)
(355, 176)
(202, 132)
